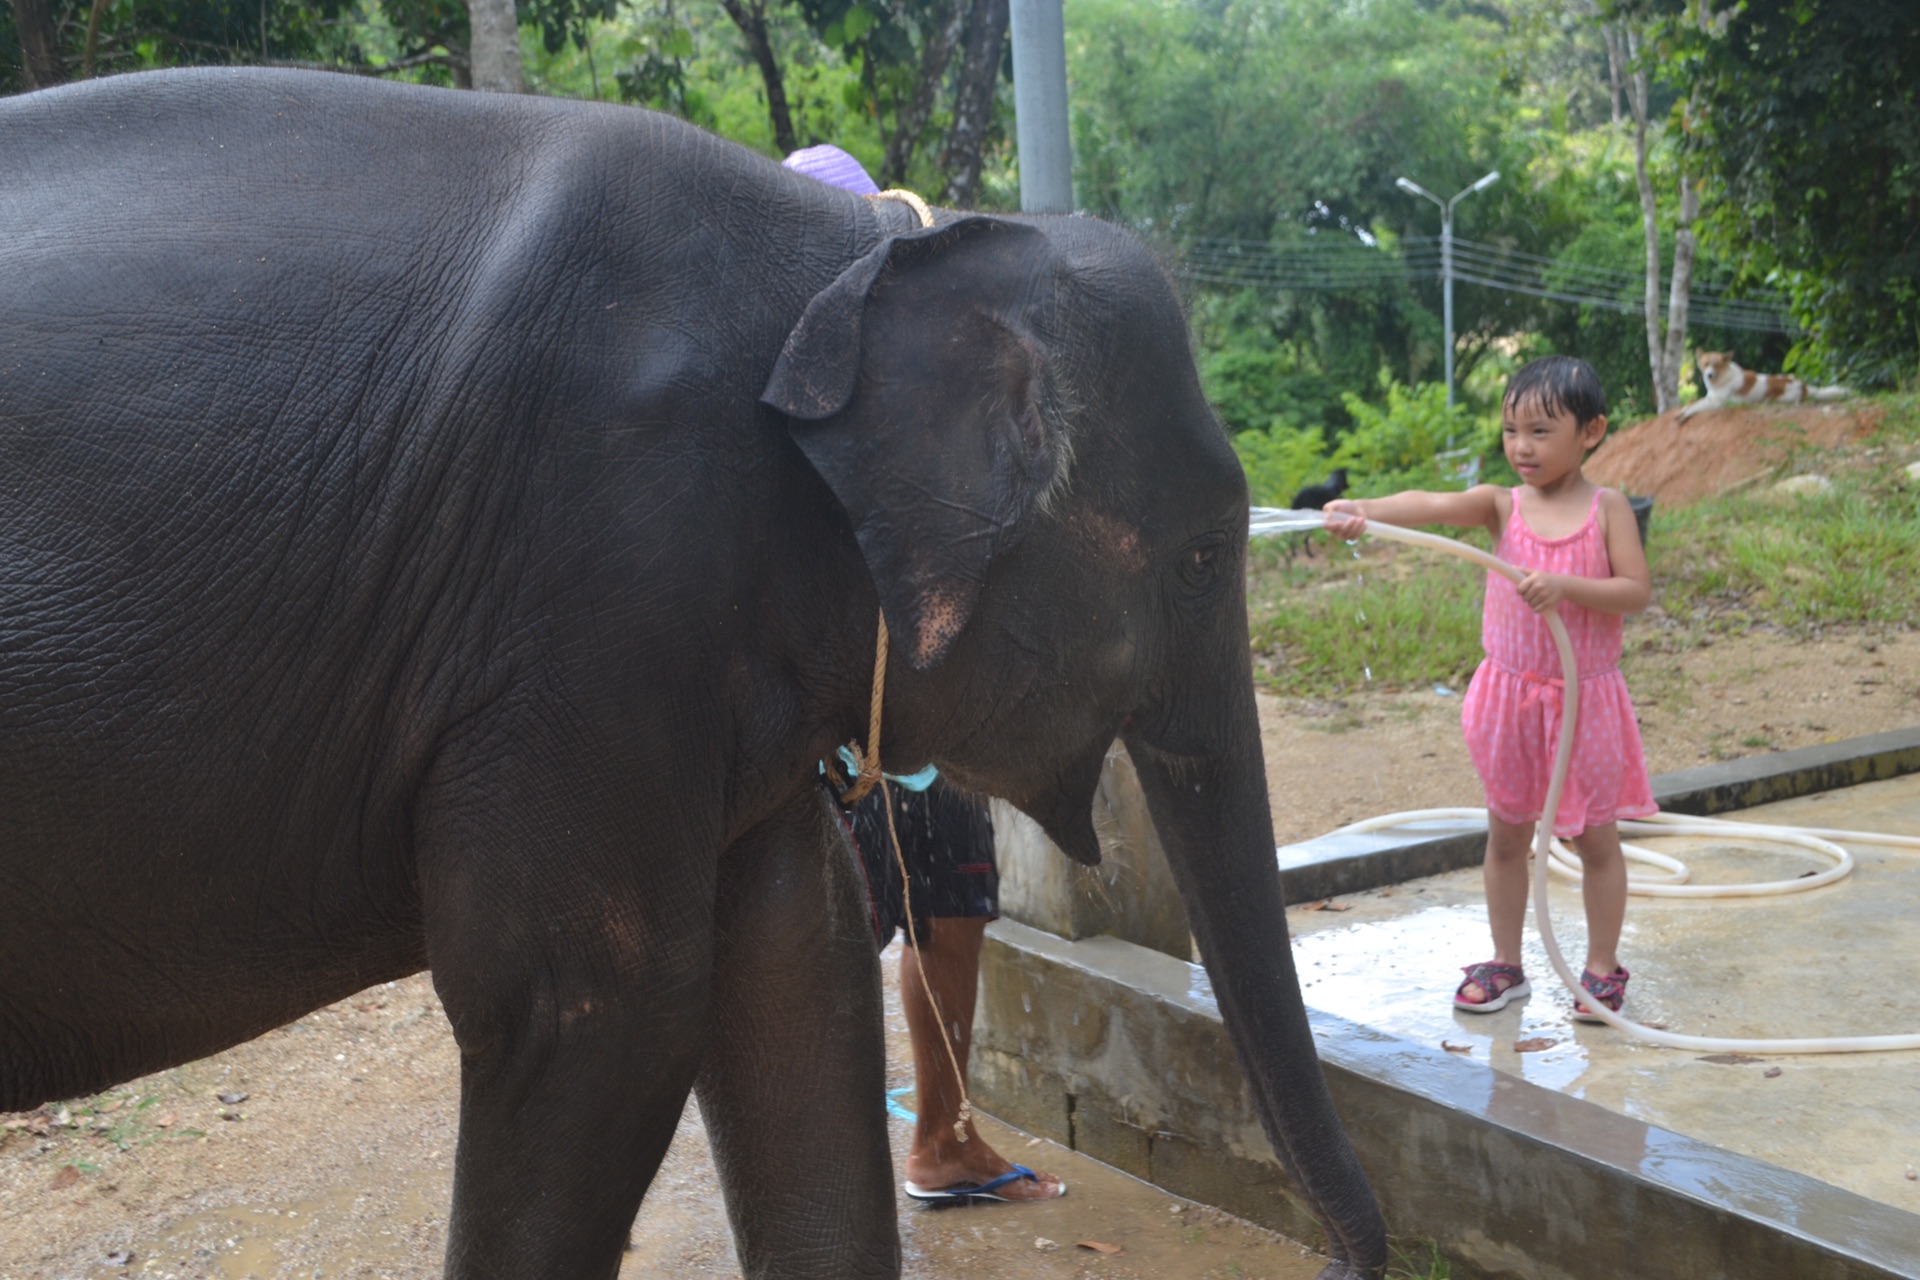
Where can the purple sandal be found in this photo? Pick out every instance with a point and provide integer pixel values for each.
(1610, 991)
(1487, 975)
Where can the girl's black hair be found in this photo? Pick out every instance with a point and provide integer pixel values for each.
(1559, 384)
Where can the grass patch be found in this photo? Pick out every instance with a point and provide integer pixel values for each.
(1801, 563)
(1419, 1261)
(1409, 617)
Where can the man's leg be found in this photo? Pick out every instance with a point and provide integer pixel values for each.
(949, 960)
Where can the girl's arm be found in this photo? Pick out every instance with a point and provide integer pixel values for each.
(1631, 585)
(1347, 517)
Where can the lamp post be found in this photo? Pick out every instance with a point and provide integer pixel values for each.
(1446, 254)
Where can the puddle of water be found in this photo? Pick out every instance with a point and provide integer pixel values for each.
(1400, 973)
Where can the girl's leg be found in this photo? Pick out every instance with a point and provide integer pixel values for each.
(1603, 886)
(1505, 876)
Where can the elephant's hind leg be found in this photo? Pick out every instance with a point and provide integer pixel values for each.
(793, 1088)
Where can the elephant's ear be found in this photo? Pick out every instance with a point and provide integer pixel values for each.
(918, 391)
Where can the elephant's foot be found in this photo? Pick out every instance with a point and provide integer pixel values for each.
(1348, 1271)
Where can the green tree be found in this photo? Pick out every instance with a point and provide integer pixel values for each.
(428, 39)
(1809, 132)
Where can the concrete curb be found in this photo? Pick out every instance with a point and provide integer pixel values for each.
(1330, 865)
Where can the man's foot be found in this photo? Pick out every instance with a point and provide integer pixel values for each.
(964, 1171)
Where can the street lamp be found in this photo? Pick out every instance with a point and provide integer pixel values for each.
(1446, 254)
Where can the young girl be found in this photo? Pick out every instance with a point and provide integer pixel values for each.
(1581, 551)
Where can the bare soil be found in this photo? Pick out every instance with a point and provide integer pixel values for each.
(1677, 463)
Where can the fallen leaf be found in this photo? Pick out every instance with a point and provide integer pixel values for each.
(1534, 1045)
(15, 1122)
(1328, 904)
(1451, 1047)
(1771, 1072)
(1098, 1246)
(233, 1099)
(67, 1176)
(163, 1121)
(1911, 1175)
(1729, 1059)
(1041, 1242)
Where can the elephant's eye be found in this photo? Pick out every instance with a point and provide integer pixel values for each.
(1200, 563)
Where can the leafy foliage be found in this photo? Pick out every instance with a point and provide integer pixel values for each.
(1810, 128)
(1414, 441)
(426, 36)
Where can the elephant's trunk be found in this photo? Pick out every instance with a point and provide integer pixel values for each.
(1211, 812)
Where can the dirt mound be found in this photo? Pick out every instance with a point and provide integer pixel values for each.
(1677, 463)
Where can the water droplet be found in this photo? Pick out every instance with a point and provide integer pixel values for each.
(1026, 1002)
(1369, 671)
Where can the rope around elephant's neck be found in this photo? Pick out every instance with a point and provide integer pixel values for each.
(900, 195)
(870, 775)
(869, 759)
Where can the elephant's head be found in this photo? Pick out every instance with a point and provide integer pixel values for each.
(1057, 529)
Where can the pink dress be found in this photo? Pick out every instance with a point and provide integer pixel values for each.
(1512, 710)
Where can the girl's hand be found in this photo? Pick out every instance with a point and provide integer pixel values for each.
(1541, 591)
(1343, 519)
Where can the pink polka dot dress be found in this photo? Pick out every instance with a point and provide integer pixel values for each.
(1512, 710)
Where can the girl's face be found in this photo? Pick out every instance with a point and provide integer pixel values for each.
(1546, 447)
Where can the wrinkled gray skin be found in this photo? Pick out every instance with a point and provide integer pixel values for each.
(445, 529)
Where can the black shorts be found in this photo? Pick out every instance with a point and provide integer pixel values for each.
(946, 839)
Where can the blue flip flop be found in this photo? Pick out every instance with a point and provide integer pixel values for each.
(969, 1192)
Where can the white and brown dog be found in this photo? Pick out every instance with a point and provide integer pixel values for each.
(1727, 383)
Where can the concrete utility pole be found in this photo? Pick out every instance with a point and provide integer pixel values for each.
(1446, 254)
(1040, 106)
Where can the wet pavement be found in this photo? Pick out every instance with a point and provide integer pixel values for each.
(1836, 960)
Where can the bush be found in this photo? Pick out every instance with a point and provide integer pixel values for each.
(1280, 462)
(1395, 448)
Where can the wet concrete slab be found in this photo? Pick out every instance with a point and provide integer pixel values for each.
(1836, 961)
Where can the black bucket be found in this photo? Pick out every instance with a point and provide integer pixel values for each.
(1642, 515)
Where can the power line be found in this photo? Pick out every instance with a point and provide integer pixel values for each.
(1348, 264)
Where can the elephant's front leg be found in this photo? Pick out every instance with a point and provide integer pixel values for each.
(574, 960)
(793, 1089)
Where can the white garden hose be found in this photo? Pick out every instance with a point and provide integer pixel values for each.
(1267, 520)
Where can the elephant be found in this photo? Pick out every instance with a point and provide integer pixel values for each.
(448, 531)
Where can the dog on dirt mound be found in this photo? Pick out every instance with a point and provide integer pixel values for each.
(1727, 383)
